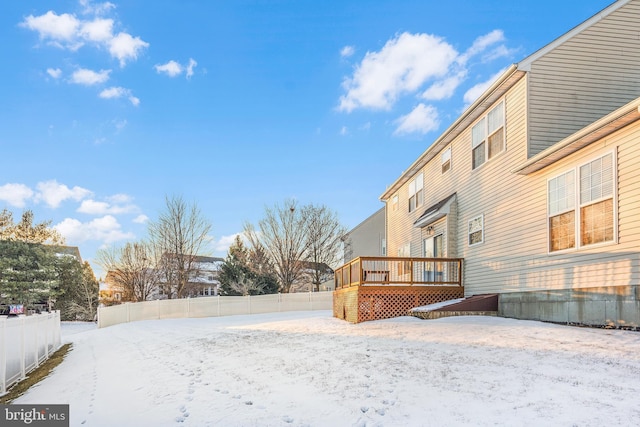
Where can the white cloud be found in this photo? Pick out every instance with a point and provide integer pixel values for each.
(222, 246)
(174, 68)
(114, 205)
(68, 32)
(87, 77)
(141, 219)
(105, 229)
(98, 30)
(53, 193)
(15, 194)
(347, 51)
(477, 90)
(96, 9)
(59, 28)
(404, 64)
(481, 44)
(171, 68)
(54, 72)
(119, 92)
(423, 119)
(344, 130)
(444, 89)
(125, 47)
(192, 64)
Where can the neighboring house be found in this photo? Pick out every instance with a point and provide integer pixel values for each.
(308, 276)
(367, 238)
(537, 184)
(71, 251)
(204, 282)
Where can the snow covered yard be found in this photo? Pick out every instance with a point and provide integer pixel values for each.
(309, 369)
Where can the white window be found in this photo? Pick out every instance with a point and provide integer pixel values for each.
(394, 203)
(561, 200)
(476, 230)
(487, 136)
(383, 246)
(593, 193)
(415, 192)
(404, 267)
(445, 159)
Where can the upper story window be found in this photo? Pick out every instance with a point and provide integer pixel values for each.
(394, 203)
(445, 160)
(476, 230)
(415, 192)
(593, 195)
(487, 136)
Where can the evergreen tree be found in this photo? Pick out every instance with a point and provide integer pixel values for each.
(239, 276)
(77, 290)
(27, 273)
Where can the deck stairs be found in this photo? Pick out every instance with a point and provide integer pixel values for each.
(476, 305)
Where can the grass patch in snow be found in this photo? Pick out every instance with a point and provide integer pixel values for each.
(36, 375)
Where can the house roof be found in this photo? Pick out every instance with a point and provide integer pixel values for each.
(509, 78)
(597, 130)
(435, 212)
(67, 250)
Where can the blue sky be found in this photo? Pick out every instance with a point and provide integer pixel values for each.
(108, 107)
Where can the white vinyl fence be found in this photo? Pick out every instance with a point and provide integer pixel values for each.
(213, 307)
(26, 342)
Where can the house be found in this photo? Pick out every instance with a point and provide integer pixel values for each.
(205, 277)
(367, 238)
(536, 186)
(313, 272)
(203, 281)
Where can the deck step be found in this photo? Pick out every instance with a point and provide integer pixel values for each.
(476, 305)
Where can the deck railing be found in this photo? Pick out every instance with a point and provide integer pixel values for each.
(398, 271)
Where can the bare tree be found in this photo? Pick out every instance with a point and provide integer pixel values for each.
(180, 235)
(131, 269)
(281, 236)
(323, 234)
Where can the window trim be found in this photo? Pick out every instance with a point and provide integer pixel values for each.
(445, 153)
(481, 217)
(394, 203)
(487, 134)
(578, 205)
(417, 192)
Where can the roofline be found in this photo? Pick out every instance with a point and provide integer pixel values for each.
(510, 76)
(525, 64)
(597, 130)
(363, 221)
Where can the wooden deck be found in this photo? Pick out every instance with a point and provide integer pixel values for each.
(373, 288)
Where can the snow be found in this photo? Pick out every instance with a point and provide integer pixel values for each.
(310, 369)
(437, 305)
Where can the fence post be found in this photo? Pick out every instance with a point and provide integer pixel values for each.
(38, 328)
(158, 308)
(23, 373)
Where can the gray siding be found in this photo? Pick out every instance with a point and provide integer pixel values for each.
(365, 239)
(585, 78)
